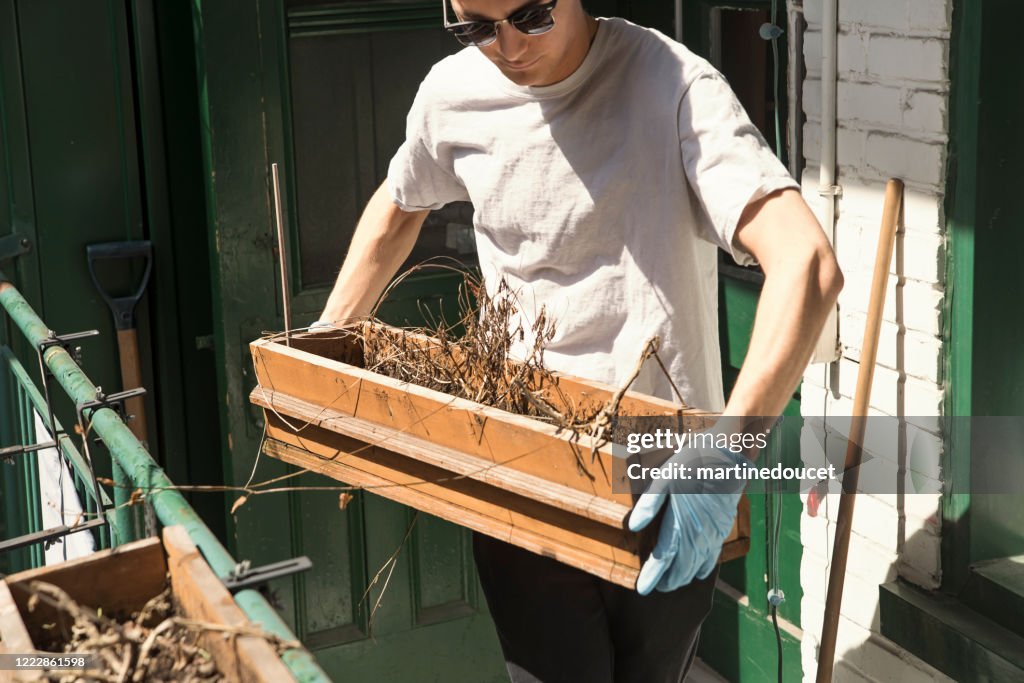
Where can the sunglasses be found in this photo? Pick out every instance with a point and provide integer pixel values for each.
(532, 21)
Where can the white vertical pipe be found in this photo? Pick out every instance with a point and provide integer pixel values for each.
(794, 85)
(827, 177)
(827, 349)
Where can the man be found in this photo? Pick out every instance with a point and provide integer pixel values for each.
(605, 162)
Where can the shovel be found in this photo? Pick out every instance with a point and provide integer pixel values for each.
(123, 308)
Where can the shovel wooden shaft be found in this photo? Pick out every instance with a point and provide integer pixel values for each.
(131, 378)
(862, 396)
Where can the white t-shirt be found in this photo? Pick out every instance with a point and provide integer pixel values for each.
(601, 197)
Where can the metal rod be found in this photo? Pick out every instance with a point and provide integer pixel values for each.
(66, 444)
(861, 399)
(282, 255)
(170, 506)
(48, 534)
(19, 450)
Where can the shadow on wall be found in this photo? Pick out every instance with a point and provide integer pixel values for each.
(874, 658)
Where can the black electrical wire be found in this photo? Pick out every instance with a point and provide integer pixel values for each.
(776, 503)
(772, 504)
(778, 637)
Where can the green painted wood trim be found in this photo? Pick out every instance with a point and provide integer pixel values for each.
(958, 322)
(737, 309)
(363, 18)
(996, 589)
(21, 208)
(235, 59)
(944, 633)
(739, 643)
(240, 240)
(157, 213)
(174, 215)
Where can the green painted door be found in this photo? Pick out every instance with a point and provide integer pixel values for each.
(323, 91)
(69, 176)
(997, 385)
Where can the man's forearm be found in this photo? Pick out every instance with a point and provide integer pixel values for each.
(802, 282)
(382, 241)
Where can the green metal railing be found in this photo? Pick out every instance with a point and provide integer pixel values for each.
(129, 455)
(23, 504)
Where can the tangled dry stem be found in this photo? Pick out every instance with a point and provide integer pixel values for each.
(153, 644)
(487, 356)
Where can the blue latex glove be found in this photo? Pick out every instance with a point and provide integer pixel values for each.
(700, 515)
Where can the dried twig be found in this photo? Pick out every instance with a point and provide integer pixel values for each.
(388, 566)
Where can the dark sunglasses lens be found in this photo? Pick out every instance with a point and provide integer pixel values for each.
(474, 33)
(534, 20)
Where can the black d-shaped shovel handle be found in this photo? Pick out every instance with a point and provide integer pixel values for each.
(123, 307)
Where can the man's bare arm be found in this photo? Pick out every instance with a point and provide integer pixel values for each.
(802, 283)
(382, 241)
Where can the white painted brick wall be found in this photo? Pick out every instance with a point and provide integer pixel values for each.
(863, 200)
(897, 58)
(852, 55)
(928, 15)
(923, 257)
(889, 14)
(869, 103)
(913, 160)
(922, 309)
(925, 110)
(892, 104)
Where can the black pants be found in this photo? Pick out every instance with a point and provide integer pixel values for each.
(558, 624)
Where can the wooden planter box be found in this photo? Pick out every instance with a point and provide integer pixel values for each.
(509, 476)
(122, 580)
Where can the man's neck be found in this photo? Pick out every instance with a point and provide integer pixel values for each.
(578, 53)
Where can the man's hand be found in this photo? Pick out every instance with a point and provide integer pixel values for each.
(700, 515)
(325, 326)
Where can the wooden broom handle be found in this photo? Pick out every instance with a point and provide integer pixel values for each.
(862, 396)
(131, 377)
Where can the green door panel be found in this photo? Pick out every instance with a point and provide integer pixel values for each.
(997, 384)
(333, 540)
(168, 104)
(349, 95)
(83, 165)
(70, 156)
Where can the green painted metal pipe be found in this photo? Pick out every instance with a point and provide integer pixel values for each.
(170, 506)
